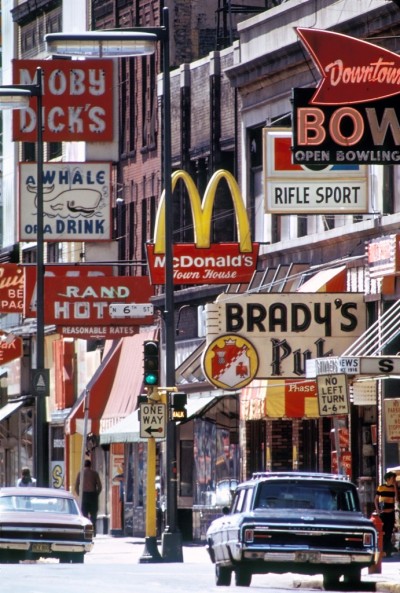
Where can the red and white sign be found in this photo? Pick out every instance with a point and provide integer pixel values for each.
(86, 301)
(77, 100)
(76, 201)
(60, 271)
(352, 70)
(345, 461)
(11, 288)
(222, 263)
(292, 188)
(383, 254)
(11, 347)
(202, 262)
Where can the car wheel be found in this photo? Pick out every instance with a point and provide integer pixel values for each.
(223, 576)
(242, 577)
(352, 576)
(331, 580)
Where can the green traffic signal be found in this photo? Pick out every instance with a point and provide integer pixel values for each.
(151, 363)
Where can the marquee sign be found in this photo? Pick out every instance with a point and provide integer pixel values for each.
(288, 331)
(353, 116)
(76, 201)
(203, 262)
(77, 100)
(297, 189)
(383, 256)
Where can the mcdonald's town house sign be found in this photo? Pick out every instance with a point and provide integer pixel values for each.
(203, 262)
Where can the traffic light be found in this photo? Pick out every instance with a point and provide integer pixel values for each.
(178, 403)
(151, 363)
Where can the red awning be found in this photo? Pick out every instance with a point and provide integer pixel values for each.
(128, 380)
(331, 280)
(99, 387)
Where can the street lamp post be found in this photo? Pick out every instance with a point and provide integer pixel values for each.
(127, 43)
(17, 97)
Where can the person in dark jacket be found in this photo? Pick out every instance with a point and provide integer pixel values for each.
(91, 488)
(26, 480)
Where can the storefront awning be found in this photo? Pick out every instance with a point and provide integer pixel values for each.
(126, 431)
(279, 398)
(128, 381)
(99, 387)
(9, 409)
(330, 280)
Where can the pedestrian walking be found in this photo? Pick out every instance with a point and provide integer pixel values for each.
(26, 480)
(91, 488)
(385, 500)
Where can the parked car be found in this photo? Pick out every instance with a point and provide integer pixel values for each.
(42, 522)
(308, 523)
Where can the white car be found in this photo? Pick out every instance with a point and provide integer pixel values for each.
(42, 523)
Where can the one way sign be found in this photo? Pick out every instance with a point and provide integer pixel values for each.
(152, 420)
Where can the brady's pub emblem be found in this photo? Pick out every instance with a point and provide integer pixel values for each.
(230, 362)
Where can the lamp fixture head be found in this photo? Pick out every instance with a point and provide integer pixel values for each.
(104, 44)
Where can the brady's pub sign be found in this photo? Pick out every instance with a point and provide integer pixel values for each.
(353, 115)
(258, 336)
(203, 262)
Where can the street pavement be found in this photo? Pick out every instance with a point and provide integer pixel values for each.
(129, 550)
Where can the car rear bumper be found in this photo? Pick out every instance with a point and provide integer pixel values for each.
(46, 547)
(294, 556)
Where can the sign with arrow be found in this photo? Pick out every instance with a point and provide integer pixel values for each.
(152, 420)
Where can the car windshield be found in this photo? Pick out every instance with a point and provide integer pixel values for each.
(38, 504)
(300, 495)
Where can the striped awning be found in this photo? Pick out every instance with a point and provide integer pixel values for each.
(279, 398)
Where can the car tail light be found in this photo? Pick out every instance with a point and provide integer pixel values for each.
(88, 532)
(249, 536)
(368, 539)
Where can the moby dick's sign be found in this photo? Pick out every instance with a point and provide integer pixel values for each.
(77, 100)
(353, 116)
(203, 262)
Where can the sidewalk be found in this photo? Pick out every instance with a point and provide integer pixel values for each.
(128, 550)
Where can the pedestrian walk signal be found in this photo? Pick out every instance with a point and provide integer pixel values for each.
(151, 363)
(178, 403)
